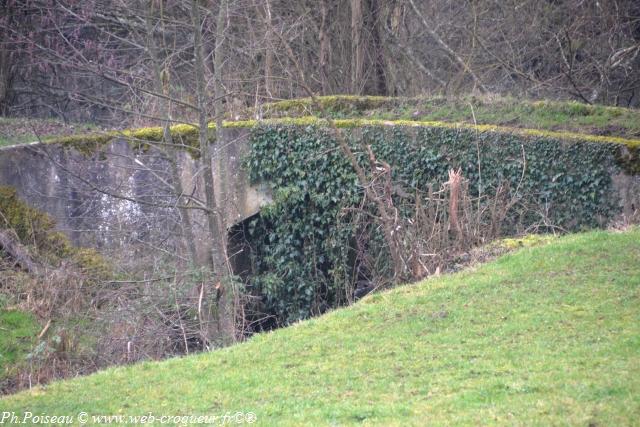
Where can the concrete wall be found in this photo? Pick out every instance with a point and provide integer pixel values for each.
(94, 199)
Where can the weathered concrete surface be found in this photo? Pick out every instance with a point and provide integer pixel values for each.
(627, 187)
(118, 196)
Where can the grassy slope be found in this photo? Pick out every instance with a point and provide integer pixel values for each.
(546, 336)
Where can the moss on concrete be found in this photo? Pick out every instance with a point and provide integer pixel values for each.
(187, 135)
(36, 230)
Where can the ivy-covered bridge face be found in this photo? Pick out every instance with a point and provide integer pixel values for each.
(299, 241)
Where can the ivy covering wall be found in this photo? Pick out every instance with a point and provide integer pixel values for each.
(299, 243)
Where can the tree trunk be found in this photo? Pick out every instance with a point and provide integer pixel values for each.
(324, 54)
(5, 62)
(216, 237)
(226, 302)
(378, 41)
(357, 51)
(268, 59)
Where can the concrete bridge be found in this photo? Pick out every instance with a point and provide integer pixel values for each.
(119, 197)
(123, 201)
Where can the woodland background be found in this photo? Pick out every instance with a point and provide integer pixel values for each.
(99, 61)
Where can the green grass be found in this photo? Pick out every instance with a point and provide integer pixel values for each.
(17, 334)
(548, 335)
(501, 111)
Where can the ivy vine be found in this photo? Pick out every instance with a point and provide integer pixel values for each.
(299, 253)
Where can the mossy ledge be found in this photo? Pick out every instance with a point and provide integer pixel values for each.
(333, 104)
(186, 135)
(571, 116)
